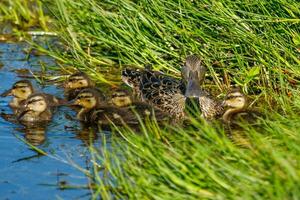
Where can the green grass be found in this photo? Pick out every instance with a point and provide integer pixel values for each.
(254, 44)
(19, 16)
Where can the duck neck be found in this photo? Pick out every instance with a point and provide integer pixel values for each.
(81, 115)
(229, 113)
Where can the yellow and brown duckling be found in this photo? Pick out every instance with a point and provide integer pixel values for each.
(36, 109)
(21, 90)
(75, 83)
(94, 112)
(164, 92)
(123, 99)
(236, 108)
(236, 112)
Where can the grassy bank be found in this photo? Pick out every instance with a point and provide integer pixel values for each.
(252, 44)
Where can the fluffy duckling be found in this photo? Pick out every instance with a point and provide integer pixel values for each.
(36, 109)
(235, 104)
(94, 112)
(122, 99)
(75, 83)
(164, 92)
(21, 90)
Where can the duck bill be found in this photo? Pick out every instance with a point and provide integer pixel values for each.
(193, 89)
(7, 93)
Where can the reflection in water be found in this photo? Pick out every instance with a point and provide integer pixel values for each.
(35, 135)
(87, 135)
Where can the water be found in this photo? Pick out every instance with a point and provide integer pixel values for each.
(24, 174)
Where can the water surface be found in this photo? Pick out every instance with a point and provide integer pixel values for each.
(24, 174)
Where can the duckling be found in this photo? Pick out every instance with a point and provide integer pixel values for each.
(75, 83)
(236, 104)
(236, 112)
(164, 92)
(36, 109)
(94, 112)
(20, 91)
(122, 98)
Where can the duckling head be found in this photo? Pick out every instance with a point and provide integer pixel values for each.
(235, 100)
(131, 77)
(121, 99)
(35, 104)
(21, 89)
(78, 80)
(87, 99)
(193, 72)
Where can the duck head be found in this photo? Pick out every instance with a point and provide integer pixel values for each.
(235, 99)
(234, 102)
(34, 105)
(193, 72)
(87, 99)
(77, 81)
(121, 99)
(21, 89)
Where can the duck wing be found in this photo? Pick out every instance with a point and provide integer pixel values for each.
(163, 92)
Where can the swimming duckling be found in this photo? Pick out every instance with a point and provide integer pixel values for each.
(236, 104)
(21, 90)
(36, 109)
(164, 92)
(75, 83)
(94, 112)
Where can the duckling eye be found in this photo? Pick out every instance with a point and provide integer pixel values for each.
(80, 82)
(23, 91)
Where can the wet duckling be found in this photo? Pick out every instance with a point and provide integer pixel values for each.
(164, 92)
(235, 104)
(94, 112)
(75, 83)
(21, 90)
(36, 109)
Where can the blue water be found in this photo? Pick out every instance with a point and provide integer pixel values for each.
(24, 174)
